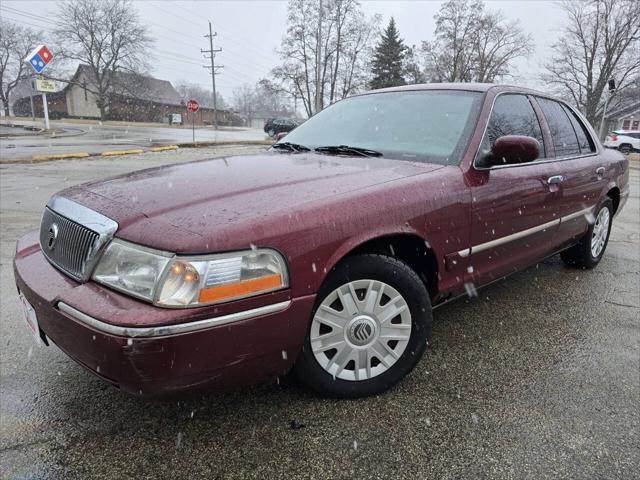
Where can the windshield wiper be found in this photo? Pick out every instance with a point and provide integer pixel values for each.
(292, 147)
(347, 150)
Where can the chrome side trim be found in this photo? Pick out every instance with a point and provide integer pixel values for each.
(146, 332)
(577, 214)
(515, 236)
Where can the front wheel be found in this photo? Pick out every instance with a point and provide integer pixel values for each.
(588, 252)
(370, 327)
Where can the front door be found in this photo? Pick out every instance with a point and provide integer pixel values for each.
(514, 207)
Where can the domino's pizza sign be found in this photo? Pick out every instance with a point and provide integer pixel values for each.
(39, 58)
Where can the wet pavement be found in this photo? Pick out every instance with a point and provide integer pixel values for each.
(537, 377)
(94, 138)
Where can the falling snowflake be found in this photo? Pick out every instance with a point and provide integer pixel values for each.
(471, 289)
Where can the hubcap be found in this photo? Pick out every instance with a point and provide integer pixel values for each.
(600, 232)
(360, 330)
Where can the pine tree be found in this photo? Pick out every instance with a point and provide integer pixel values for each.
(388, 59)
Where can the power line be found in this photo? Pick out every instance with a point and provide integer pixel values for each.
(236, 74)
(241, 44)
(245, 43)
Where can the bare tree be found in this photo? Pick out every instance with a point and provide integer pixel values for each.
(323, 51)
(188, 91)
(107, 36)
(496, 44)
(601, 41)
(413, 72)
(264, 98)
(15, 44)
(244, 101)
(450, 54)
(472, 44)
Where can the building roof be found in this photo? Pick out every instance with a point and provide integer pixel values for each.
(136, 86)
(624, 110)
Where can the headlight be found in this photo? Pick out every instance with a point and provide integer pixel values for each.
(192, 281)
(188, 281)
(131, 268)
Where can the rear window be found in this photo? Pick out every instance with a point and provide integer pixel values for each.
(584, 139)
(564, 136)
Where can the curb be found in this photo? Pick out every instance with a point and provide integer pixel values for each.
(163, 148)
(219, 143)
(57, 156)
(113, 153)
(134, 151)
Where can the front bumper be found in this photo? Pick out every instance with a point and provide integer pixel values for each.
(150, 351)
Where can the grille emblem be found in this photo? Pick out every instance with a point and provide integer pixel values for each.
(52, 236)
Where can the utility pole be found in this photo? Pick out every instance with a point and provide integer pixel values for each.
(212, 55)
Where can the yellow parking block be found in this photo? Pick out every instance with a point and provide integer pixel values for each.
(111, 153)
(60, 156)
(164, 148)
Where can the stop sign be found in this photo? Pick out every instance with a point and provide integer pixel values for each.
(193, 106)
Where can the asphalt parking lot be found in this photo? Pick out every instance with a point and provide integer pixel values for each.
(94, 138)
(537, 377)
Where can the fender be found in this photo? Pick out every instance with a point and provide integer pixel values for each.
(354, 242)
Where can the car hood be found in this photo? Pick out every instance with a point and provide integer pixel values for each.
(155, 207)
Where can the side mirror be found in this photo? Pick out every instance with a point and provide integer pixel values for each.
(513, 149)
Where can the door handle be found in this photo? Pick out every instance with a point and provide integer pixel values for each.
(600, 171)
(555, 180)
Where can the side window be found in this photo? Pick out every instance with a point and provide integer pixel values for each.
(512, 114)
(584, 139)
(564, 137)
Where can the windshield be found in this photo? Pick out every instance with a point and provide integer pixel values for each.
(427, 126)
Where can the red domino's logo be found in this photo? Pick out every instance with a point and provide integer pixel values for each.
(45, 54)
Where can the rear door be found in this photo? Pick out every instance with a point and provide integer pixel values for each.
(580, 166)
(514, 208)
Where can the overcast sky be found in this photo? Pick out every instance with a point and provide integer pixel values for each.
(250, 31)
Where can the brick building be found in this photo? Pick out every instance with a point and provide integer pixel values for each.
(133, 97)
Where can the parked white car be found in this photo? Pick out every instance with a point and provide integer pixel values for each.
(624, 140)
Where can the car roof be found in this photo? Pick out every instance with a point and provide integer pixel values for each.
(461, 86)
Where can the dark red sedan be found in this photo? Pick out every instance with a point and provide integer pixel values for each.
(325, 254)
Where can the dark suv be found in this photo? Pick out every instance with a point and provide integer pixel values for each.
(273, 126)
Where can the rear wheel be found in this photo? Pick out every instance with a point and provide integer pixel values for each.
(588, 252)
(271, 132)
(370, 327)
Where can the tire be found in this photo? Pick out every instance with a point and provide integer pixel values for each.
(584, 254)
(384, 287)
(625, 149)
(271, 133)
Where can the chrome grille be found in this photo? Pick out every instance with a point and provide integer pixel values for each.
(67, 244)
(73, 236)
